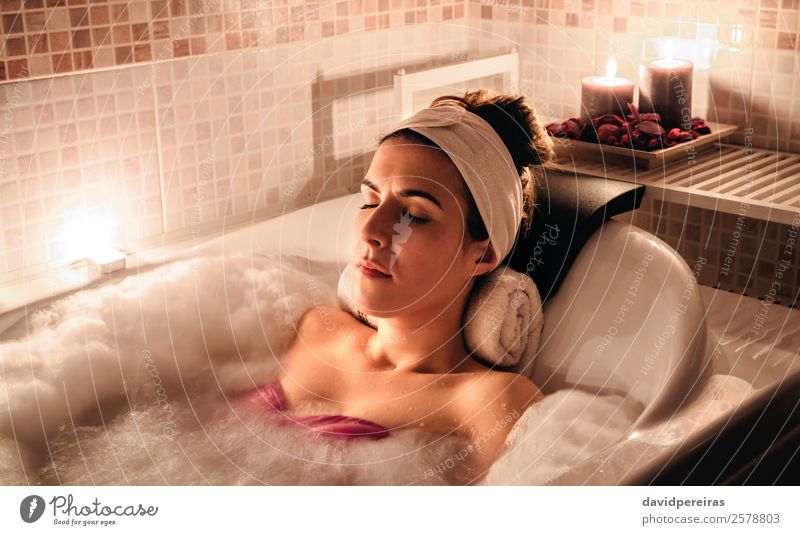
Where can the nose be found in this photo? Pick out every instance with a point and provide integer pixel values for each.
(375, 225)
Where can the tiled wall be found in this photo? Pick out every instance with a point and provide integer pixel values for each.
(70, 141)
(177, 117)
(178, 114)
(747, 72)
(747, 65)
(43, 37)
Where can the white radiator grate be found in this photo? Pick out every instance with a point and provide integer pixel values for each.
(757, 183)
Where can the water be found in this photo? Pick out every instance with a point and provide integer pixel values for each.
(560, 431)
(133, 383)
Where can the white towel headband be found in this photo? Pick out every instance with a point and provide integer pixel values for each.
(485, 164)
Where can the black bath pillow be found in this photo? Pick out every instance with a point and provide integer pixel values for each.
(569, 208)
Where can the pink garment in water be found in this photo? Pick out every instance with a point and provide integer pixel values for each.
(270, 396)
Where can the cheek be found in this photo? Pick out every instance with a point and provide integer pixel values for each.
(430, 258)
(428, 247)
(434, 279)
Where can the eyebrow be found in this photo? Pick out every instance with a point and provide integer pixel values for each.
(406, 192)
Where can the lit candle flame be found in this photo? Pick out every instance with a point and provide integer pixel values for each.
(611, 68)
(669, 51)
(736, 33)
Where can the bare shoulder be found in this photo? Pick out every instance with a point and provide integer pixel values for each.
(321, 318)
(492, 404)
(509, 388)
(313, 331)
(494, 397)
(323, 324)
(522, 390)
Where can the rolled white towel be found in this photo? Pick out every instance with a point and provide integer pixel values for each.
(502, 323)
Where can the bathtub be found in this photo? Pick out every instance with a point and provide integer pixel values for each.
(651, 377)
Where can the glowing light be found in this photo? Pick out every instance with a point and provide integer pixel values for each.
(668, 58)
(87, 232)
(736, 34)
(669, 51)
(611, 68)
(610, 79)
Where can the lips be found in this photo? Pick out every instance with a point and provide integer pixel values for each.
(371, 269)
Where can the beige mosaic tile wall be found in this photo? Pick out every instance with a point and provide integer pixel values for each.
(747, 65)
(43, 37)
(177, 117)
(747, 72)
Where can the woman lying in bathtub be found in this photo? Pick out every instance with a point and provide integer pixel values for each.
(421, 243)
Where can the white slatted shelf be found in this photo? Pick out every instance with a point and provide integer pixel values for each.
(758, 183)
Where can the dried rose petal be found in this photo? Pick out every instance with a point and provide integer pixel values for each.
(649, 127)
(642, 132)
(634, 112)
(607, 119)
(573, 126)
(569, 129)
(554, 129)
(655, 117)
(699, 125)
(589, 133)
(558, 130)
(607, 133)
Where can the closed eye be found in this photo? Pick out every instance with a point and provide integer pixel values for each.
(412, 218)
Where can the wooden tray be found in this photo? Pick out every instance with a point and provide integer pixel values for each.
(643, 159)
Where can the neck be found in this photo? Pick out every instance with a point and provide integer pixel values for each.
(430, 341)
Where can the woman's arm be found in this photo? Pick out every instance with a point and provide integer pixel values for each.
(492, 409)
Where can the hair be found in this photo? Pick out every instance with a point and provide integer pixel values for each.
(523, 135)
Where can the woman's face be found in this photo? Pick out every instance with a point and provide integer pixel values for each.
(412, 226)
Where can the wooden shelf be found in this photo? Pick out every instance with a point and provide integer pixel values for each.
(643, 159)
(757, 183)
